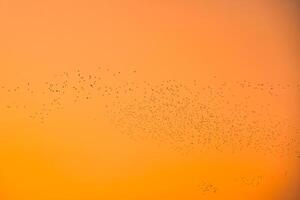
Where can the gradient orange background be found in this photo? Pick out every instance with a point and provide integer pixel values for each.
(72, 156)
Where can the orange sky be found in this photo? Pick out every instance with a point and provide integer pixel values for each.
(101, 146)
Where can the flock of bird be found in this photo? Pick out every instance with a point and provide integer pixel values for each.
(253, 181)
(187, 116)
(206, 187)
(192, 117)
(232, 116)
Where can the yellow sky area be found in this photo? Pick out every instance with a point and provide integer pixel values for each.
(249, 39)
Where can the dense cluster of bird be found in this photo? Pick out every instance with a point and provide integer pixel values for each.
(232, 116)
(206, 187)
